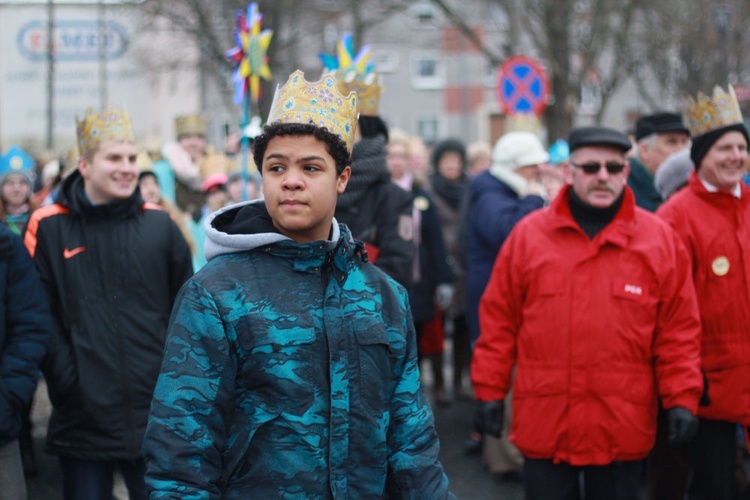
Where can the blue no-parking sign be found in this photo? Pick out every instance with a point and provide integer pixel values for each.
(522, 86)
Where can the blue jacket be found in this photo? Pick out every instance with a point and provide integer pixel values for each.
(495, 209)
(25, 331)
(290, 371)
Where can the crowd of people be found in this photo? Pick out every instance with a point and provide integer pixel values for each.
(208, 331)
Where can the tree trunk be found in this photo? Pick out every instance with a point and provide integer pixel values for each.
(559, 115)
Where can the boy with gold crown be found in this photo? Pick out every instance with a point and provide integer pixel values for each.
(111, 266)
(711, 215)
(290, 368)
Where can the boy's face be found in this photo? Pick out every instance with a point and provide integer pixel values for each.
(111, 174)
(301, 186)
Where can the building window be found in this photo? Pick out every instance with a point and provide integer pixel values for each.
(384, 61)
(428, 127)
(422, 14)
(591, 94)
(428, 71)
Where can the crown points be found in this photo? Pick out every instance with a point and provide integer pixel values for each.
(368, 91)
(354, 72)
(194, 124)
(320, 103)
(113, 124)
(705, 114)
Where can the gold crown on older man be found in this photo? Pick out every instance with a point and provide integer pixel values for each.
(705, 114)
(191, 125)
(113, 124)
(320, 103)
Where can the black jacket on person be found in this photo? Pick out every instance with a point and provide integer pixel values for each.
(111, 273)
(432, 258)
(378, 212)
(25, 332)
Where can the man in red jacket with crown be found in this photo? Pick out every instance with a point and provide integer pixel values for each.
(712, 217)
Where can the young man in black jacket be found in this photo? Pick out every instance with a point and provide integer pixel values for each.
(111, 266)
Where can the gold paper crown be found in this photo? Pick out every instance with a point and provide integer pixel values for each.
(191, 125)
(368, 90)
(320, 103)
(706, 114)
(112, 125)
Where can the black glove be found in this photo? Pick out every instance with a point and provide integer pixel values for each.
(489, 417)
(682, 425)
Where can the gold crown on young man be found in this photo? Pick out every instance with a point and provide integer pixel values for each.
(320, 103)
(191, 125)
(113, 124)
(705, 114)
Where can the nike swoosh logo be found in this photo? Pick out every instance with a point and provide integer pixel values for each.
(67, 253)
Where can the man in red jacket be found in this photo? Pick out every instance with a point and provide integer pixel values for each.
(711, 216)
(591, 301)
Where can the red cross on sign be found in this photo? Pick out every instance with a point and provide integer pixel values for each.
(522, 86)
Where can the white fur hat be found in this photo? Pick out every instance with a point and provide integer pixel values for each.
(518, 149)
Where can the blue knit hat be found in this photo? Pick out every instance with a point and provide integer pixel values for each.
(16, 160)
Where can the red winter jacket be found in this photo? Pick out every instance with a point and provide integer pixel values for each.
(596, 328)
(716, 230)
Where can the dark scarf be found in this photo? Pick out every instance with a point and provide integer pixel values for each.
(452, 191)
(592, 220)
(369, 168)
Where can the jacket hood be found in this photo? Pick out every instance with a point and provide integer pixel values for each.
(73, 197)
(246, 226)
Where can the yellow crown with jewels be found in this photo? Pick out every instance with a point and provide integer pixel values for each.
(320, 103)
(705, 114)
(191, 125)
(367, 87)
(113, 124)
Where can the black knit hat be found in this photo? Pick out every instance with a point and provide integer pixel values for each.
(703, 143)
(448, 146)
(147, 173)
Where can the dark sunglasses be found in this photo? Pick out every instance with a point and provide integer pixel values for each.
(592, 167)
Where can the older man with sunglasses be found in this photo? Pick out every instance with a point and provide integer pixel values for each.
(591, 301)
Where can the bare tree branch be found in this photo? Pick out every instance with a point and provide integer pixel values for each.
(459, 23)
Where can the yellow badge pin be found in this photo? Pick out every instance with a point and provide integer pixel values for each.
(421, 203)
(720, 266)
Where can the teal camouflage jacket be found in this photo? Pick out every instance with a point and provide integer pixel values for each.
(290, 371)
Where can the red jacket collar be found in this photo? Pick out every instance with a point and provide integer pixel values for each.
(719, 198)
(561, 205)
(618, 231)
